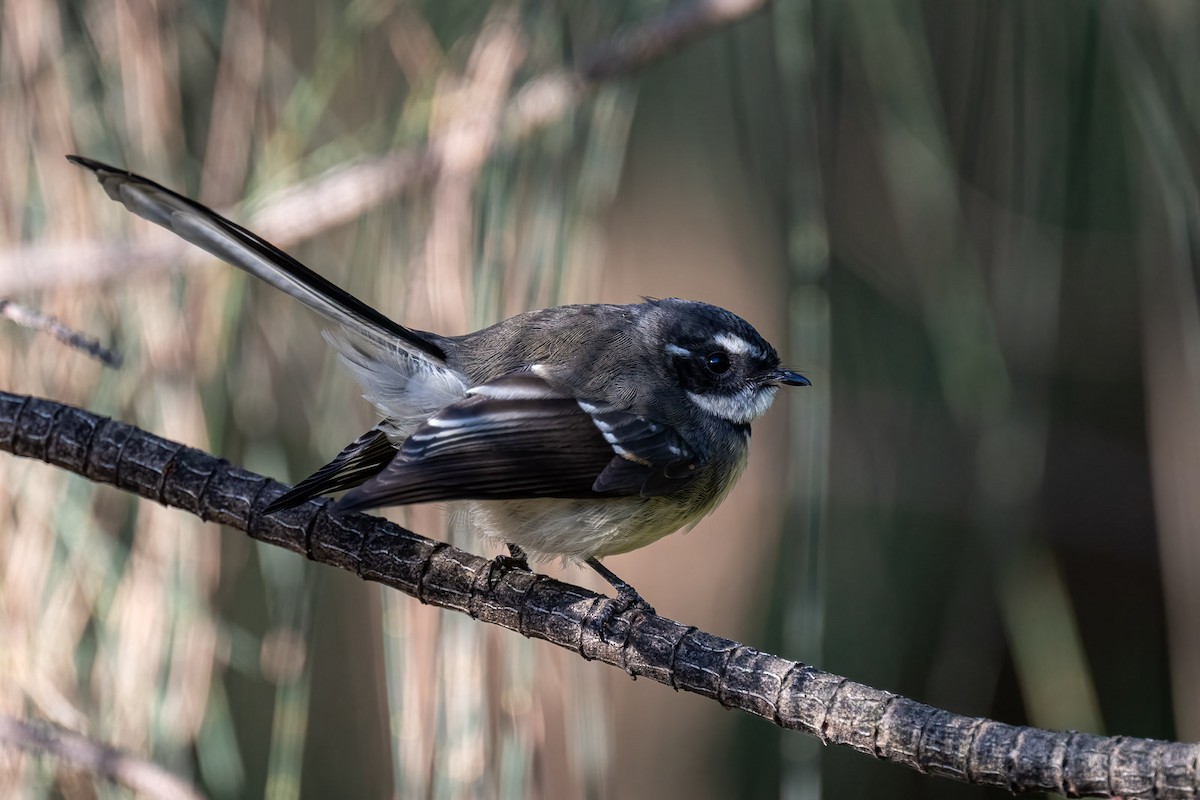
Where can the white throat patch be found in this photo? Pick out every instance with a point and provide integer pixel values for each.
(743, 407)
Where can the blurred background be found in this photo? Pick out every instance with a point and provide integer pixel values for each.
(973, 224)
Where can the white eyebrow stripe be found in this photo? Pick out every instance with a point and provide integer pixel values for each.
(737, 345)
(676, 350)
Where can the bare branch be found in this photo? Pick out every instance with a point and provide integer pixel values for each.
(651, 40)
(790, 694)
(35, 320)
(144, 777)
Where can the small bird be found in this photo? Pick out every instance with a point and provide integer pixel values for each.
(577, 432)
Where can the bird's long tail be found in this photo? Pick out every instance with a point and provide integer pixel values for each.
(246, 250)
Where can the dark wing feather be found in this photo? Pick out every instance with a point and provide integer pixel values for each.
(247, 250)
(516, 437)
(358, 462)
(653, 458)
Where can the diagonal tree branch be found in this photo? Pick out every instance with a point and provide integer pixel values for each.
(790, 694)
(35, 320)
(80, 752)
(652, 39)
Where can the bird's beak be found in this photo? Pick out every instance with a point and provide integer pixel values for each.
(788, 378)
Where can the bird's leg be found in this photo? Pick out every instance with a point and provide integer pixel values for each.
(516, 558)
(627, 596)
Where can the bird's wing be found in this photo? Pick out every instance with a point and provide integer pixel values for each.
(246, 250)
(517, 437)
(358, 462)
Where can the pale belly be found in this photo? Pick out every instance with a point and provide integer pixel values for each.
(548, 528)
(579, 529)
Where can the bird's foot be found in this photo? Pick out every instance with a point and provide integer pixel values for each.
(627, 599)
(515, 560)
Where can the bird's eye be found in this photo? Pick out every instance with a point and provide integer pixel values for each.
(717, 362)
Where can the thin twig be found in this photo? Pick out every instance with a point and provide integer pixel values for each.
(789, 694)
(35, 320)
(660, 36)
(144, 777)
